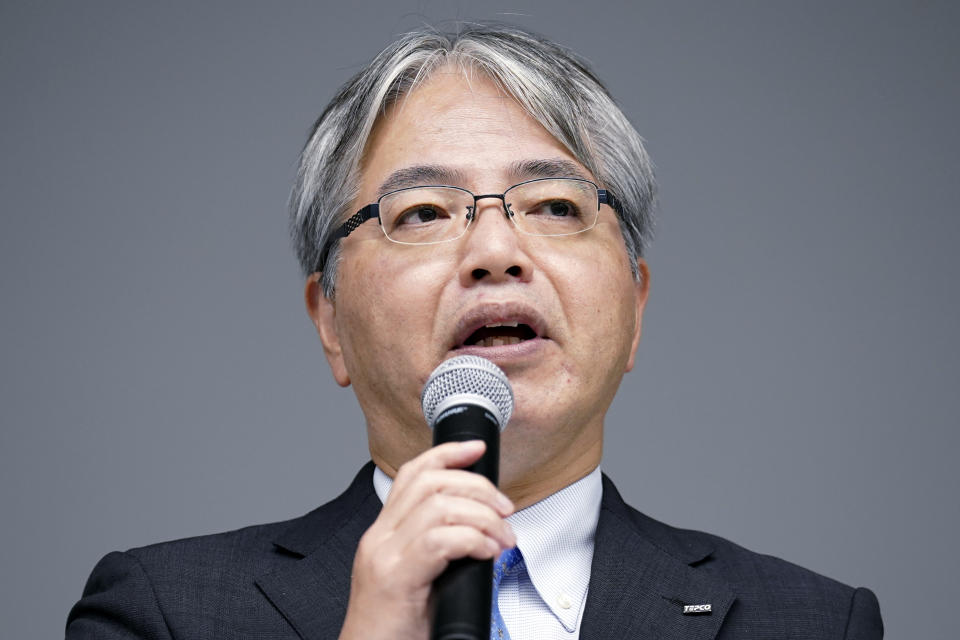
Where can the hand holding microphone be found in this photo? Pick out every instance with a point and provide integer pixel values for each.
(437, 513)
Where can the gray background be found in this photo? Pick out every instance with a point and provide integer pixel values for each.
(160, 377)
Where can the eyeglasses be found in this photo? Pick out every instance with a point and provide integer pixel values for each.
(434, 214)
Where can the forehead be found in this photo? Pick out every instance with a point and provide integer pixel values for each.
(460, 129)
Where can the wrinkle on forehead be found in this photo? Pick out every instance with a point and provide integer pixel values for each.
(471, 112)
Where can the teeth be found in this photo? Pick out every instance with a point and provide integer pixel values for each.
(498, 342)
(494, 325)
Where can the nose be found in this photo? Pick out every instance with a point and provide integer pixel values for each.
(493, 250)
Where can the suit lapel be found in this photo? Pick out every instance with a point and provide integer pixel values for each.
(642, 576)
(312, 592)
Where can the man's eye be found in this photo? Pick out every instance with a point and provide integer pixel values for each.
(422, 214)
(556, 209)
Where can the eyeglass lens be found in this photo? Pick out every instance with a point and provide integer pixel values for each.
(550, 207)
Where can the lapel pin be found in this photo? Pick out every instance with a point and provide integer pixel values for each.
(697, 609)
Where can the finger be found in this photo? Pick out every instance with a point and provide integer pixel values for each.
(436, 548)
(441, 510)
(417, 478)
(406, 498)
(449, 455)
(455, 482)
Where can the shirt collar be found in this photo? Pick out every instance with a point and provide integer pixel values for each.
(556, 538)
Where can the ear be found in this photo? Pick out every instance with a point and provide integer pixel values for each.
(641, 290)
(323, 312)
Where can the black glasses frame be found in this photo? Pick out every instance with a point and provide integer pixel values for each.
(372, 210)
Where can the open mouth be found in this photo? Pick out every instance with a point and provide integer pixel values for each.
(498, 334)
(509, 327)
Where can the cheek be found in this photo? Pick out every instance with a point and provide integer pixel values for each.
(596, 289)
(608, 315)
(389, 304)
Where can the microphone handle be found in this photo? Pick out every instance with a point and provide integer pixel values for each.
(462, 593)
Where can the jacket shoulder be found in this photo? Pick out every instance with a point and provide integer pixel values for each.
(258, 548)
(192, 583)
(787, 598)
(772, 595)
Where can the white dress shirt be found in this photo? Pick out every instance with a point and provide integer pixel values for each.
(544, 600)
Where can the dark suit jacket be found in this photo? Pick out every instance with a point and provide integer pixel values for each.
(292, 580)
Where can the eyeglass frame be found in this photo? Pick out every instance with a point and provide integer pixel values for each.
(372, 210)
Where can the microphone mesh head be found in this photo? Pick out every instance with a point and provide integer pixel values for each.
(467, 375)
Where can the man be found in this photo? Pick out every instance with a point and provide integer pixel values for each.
(512, 199)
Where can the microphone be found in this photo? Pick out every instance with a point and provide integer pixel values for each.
(467, 398)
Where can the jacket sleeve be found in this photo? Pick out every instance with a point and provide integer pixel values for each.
(118, 602)
(864, 622)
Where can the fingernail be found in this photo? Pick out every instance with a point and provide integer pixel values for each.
(504, 503)
(473, 445)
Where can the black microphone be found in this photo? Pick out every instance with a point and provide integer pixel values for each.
(467, 398)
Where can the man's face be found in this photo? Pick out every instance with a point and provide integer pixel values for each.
(400, 310)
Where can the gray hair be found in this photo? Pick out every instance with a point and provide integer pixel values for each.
(552, 84)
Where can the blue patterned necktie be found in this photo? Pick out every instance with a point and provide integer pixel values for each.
(508, 561)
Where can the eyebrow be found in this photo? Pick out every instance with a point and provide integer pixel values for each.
(546, 168)
(419, 175)
(438, 174)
